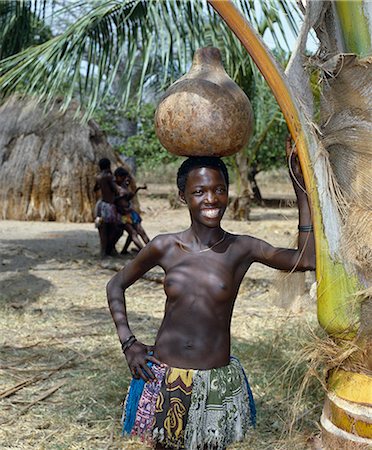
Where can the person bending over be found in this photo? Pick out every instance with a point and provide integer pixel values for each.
(129, 217)
(126, 223)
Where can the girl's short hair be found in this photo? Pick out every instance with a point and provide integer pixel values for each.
(196, 162)
(121, 172)
(104, 163)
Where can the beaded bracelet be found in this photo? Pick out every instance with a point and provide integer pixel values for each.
(305, 228)
(129, 344)
(127, 341)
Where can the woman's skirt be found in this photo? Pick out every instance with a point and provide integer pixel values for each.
(189, 408)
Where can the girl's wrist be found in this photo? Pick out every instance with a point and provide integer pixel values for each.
(306, 228)
(128, 342)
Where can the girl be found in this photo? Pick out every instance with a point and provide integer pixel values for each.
(187, 390)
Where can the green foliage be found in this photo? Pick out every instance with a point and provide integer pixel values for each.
(102, 49)
(145, 145)
(266, 149)
(21, 26)
(109, 115)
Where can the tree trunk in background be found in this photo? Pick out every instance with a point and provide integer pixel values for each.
(257, 196)
(48, 163)
(241, 205)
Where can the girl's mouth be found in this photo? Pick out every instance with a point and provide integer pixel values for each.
(211, 213)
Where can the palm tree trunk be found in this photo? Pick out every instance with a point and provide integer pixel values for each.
(346, 126)
(339, 279)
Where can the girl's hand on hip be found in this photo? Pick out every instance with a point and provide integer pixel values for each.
(137, 356)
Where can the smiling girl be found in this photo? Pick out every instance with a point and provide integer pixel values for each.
(187, 390)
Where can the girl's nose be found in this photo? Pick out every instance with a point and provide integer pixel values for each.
(211, 197)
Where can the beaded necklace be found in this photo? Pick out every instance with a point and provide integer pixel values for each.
(182, 247)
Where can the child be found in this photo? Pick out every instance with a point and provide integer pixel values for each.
(126, 222)
(105, 208)
(195, 395)
(129, 217)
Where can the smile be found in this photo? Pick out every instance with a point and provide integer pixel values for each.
(211, 213)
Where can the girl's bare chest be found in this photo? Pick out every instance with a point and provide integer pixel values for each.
(199, 274)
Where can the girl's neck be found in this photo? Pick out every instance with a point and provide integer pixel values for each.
(204, 236)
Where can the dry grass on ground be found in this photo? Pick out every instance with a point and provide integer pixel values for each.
(62, 374)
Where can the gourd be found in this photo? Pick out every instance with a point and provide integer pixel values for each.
(204, 113)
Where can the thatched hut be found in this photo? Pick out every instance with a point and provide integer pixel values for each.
(48, 162)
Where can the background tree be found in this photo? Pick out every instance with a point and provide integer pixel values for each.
(143, 143)
(263, 152)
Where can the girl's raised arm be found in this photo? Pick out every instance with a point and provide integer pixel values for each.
(302, 258)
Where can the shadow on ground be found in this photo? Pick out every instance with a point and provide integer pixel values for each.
(19, 289)
(57, 247)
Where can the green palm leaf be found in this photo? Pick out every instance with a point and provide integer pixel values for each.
(108, 44)
(21, 25)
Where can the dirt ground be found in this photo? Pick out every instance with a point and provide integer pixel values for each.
(62, 375)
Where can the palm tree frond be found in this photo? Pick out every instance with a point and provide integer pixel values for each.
(21, 25)
(106, 47)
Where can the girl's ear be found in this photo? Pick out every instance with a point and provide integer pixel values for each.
(181, 195)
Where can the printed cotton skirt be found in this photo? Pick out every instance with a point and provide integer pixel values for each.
(108, 212)
(189, 408)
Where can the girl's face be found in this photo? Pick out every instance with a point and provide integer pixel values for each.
(206, 195)
(119, 179)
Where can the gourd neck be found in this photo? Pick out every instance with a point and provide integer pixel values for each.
(207, 57)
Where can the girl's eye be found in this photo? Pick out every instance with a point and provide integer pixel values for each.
(198, 192)
(220, 190)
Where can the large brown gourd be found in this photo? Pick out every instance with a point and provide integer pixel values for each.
(204, 113)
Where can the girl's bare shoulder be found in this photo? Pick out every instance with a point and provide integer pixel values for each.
(164, 242)
(243, 242)
(240, 239)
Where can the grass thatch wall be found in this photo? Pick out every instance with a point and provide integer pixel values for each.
(48, 163)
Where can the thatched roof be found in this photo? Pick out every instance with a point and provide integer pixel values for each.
(48, 162)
